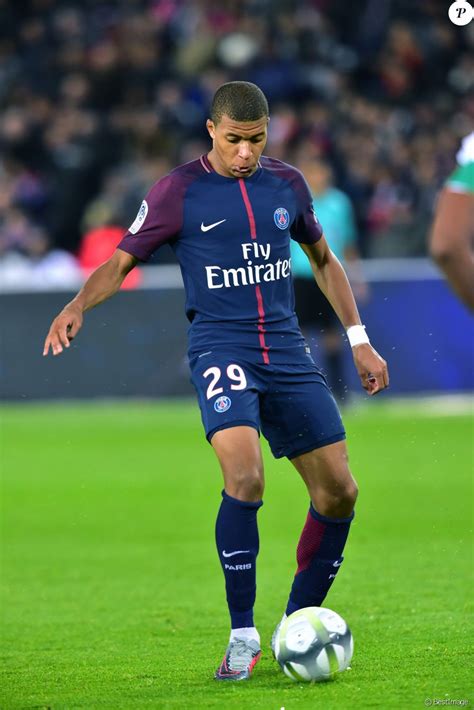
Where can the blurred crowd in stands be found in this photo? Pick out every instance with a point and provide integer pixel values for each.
(100, 98)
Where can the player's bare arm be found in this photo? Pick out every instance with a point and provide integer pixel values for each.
(101, 285)
(333, 282)
(451, 242)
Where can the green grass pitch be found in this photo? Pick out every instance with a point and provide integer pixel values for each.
(112, 595)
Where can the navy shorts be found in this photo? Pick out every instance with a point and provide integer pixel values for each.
(290, 404)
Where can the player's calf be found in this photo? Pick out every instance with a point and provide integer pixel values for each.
(319, 557)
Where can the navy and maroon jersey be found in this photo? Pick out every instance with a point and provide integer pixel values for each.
(231, 237)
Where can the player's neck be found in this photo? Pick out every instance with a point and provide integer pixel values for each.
(216, 165)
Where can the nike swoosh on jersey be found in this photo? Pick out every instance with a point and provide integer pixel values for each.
(231, 554)
(207, 227)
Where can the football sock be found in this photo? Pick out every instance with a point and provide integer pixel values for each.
(247, 633)
(237, 545)
(319, 557)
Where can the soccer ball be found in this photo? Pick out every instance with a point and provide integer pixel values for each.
(313, 644)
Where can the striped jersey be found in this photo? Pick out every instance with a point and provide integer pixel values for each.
(231, 237)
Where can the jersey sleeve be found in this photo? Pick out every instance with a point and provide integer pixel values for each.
(465, 154)
(305, 228)
(462, 179)
(159, 220)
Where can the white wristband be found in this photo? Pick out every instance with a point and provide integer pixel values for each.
(356, 335)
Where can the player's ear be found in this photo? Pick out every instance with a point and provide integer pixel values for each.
(211, 129)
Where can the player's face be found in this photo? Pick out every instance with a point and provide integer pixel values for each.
(237, 145)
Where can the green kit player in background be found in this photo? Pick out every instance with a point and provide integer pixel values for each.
(452, 234)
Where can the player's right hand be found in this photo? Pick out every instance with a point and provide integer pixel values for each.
(372, 369)
(63, 329)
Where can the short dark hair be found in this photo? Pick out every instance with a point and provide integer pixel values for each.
(240, 100)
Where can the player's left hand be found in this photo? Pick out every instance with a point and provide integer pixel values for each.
(372, 368)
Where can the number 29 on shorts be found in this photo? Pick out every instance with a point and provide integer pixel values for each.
(235, 374)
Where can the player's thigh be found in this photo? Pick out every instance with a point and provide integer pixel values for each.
(327, 475)
(299, 413)
(228, 392)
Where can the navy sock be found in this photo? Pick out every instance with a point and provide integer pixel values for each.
(319, 557)
(237, 544)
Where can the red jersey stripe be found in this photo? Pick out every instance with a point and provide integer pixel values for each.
(248, 207)
(258, 293)
(261, 328)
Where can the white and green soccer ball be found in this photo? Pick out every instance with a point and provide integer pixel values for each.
(313, 644)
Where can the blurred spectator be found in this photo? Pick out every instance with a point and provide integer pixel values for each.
(316, 317)
(97, 95)
(98, 245)
(20, 235)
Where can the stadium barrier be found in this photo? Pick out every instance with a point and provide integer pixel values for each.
(134, 345)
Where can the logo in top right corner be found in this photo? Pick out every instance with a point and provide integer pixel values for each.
(461, 13)
(281, 218)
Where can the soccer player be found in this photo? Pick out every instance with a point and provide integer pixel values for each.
(452, 234)
(229, 216)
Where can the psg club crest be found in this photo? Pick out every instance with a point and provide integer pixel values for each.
(222, 404)
(281, 217)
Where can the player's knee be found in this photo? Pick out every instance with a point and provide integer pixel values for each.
(338, 502)
(351, 491)
(245, 483)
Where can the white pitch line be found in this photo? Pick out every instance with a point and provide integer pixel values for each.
(449, 405)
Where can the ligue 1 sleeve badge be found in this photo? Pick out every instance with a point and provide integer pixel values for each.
(281, 218)
(140, 218)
